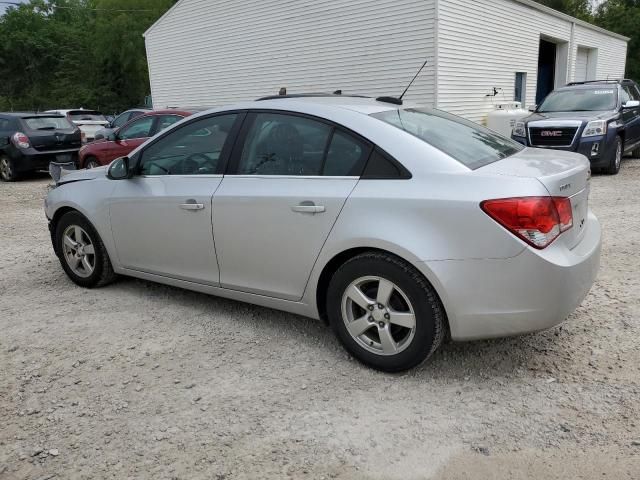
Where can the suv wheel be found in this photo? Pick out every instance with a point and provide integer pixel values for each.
(81, 251)
(7, 169)
(384, 312)
(616, 158)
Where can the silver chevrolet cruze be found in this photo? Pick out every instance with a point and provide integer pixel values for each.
(400, 226)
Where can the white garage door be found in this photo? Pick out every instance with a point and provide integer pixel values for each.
(582, 64)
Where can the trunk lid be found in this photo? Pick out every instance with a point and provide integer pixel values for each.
(563, 174)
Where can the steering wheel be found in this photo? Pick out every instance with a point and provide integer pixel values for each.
(190, 166)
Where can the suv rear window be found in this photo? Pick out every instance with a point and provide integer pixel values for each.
(48, 123)
(87, 115)
(467, 142)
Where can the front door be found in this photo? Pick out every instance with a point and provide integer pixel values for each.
(272, 216)
(631, 116)
(161, 218)
(130, 137)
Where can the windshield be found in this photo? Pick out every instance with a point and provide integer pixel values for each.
(86, 115)
(48, 123)
(580, 100)
(467, 142)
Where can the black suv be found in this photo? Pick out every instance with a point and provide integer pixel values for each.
(600, 119)
(29, 141)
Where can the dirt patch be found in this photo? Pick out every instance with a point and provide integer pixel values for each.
(143, 381)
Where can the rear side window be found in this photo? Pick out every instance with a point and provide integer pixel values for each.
(467, 142)
(48, 123)
(279, 144)
(346, 156)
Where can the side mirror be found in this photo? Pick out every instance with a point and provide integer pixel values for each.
(533, 108)
(631, 104)
(113, 136)
(119, 169)
(98, 136)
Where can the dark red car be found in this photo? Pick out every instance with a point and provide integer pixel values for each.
(124, 140)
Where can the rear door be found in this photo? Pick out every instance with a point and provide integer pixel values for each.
(632, 115)
(289, 179)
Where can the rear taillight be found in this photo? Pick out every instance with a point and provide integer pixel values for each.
(536, 220)
(20, 140)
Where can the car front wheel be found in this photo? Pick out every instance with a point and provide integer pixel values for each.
(616, 158)
(81, 251)
(384, 312)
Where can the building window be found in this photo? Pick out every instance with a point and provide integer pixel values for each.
(521, 87)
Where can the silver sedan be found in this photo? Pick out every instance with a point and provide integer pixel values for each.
(400, 226)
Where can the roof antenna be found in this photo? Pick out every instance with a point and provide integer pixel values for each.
(398, 101)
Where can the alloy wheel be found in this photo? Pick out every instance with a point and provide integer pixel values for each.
(79, 251)
(618, 154)
(378, 315)
(92, 164)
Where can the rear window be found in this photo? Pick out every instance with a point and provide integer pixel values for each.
(48, 123)
(86, 115)
(467, 142)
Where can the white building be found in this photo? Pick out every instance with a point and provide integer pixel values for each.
(213, 52)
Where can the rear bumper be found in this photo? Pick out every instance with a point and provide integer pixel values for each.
(530, 292)
(31, 159)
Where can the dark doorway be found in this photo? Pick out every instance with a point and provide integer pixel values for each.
(546, 70)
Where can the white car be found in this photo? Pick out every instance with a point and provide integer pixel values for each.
(88, 121)
(400, 226)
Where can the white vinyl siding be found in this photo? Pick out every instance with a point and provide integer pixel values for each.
(482, 44)
(608, 53)
(210, 53)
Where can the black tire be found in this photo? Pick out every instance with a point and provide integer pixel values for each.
(91, 162)
(430, 320)
(616, 157)
(103, 273)
(7, 169)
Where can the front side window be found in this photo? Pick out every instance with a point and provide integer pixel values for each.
(138, 129)
(280, 144)
(193, 149)
(595, 99)
(122, 119)
(467, 142)
(631, 91)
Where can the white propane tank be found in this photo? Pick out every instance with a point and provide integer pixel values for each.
(504, 117)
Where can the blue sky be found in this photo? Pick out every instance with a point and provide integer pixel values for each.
(3, 7)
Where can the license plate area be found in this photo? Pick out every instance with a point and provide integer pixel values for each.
(64, 157)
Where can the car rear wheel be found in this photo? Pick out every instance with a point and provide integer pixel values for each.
(81, 252)
(616, 158)
(7, 170)
(91, 162)
(384, 312)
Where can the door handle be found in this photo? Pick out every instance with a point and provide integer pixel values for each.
(308, 207)
(192, 205)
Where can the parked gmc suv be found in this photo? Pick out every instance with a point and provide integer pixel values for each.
(600, 119)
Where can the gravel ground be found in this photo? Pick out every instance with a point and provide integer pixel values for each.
(143, 381)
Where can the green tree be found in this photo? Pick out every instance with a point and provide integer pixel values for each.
(67, 53)
(577, 8)
(623, 17)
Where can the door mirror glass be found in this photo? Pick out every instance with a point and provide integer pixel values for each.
(112, 137)
(119, 169)
(631, 104)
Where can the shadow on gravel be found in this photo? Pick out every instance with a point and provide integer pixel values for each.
(454, 361)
